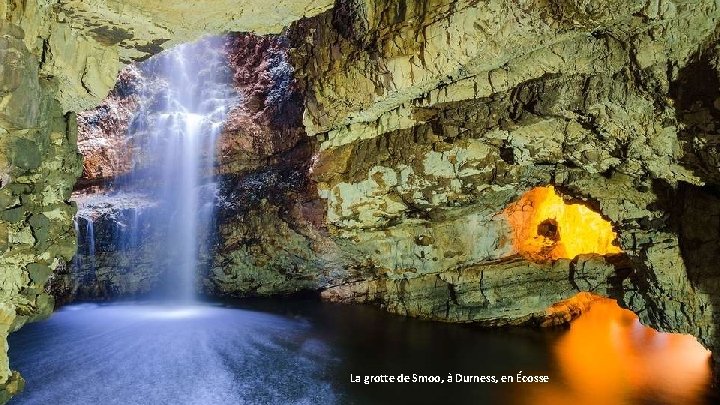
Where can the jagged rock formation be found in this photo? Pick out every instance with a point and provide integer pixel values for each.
(58, 58)
(141, 28)
(424, 122)
(81, 45)
(437, 117)
(105, 267)
(107, 151)
(39, 164)
(268, 121)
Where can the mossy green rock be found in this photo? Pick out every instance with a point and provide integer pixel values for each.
(13, 215)
(26, 154)
(40, 225)
(39, 273)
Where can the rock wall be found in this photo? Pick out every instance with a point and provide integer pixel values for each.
(81, 45)
(268, 121)
(423, 121)
(432, 117)
(110, 261)
(102, 132)
(39, 165)
(60, 57)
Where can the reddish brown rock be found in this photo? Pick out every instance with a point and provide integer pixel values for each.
(266, 123)
(268, 120)
(102, 131)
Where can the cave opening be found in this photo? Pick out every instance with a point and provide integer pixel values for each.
(150, 155)
(362, 152)
(187, 138)
(544, 226)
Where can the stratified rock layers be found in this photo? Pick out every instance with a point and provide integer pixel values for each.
(423, 121)
(60, 57)
(39, 165)
(432, 118)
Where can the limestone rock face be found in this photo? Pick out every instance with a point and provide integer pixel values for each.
(58, 58)
(267, 242)
(139, 28)
(508, 292)
(425, 120)
(39, 165)
(267, 123)
(432, 117)
(107, 151)
(81, 45)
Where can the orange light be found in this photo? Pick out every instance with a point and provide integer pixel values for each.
(608, 357)
(545, 227)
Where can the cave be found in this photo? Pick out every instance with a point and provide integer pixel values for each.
(213, 202)
(545, 227)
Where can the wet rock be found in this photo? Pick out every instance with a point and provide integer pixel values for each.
(268, 121)
(429, 118)
(107, 150)
(26, 154)
(425, 122)
(39, 273)
(112, 260)
(507, 292)
(14, 385)
(39, 165)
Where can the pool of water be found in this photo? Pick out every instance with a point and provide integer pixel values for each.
(307, 352)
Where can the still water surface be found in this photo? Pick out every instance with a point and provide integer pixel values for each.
(304, 352)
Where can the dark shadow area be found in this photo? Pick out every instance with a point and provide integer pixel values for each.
(696, 217)
(696, 93)
(695, 210)
(302, 350)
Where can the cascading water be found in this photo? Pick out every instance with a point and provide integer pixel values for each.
(176, 159)
(184, 97)
(86, 241)
(290, 351)
(90, 232)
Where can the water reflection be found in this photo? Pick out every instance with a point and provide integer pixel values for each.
(608, 357)
(288, 352)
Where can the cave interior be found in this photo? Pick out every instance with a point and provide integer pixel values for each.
(531, 165)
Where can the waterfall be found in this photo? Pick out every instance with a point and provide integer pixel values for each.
(76, 258)
(184, 96)
(90, 232)
(176, 133)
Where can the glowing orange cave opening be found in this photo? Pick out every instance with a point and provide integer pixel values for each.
(546, 227)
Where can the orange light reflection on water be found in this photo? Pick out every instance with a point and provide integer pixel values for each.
(608, 357)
